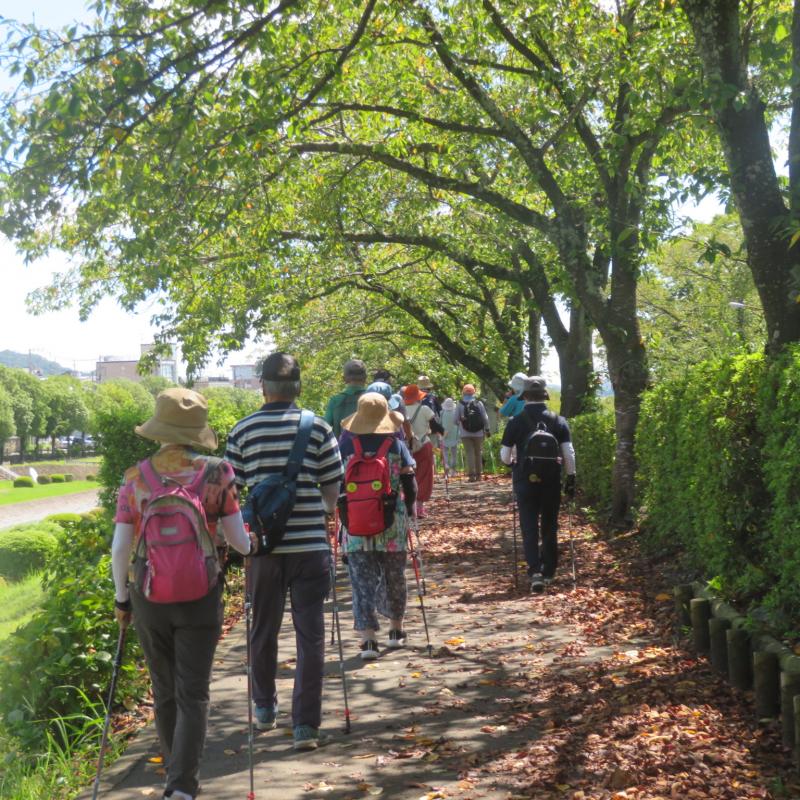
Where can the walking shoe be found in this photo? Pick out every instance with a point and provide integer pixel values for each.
(548, 580)
(177, 794)
(369, 650)
(305, 737)
(396, 638)
(537, 583)
(266, 717)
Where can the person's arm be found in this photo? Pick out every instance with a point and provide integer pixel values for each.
(235, 534)
(568, 454)
(507, 454)
(121, 547)
(330, 494)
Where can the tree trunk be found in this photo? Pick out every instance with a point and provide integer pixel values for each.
(534, 342)
(575, 363)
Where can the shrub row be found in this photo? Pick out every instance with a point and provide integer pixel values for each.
(719, 461)
(26, 482)
(593, 438)
(26, 548)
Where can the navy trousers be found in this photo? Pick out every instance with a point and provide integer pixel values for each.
(538, 505)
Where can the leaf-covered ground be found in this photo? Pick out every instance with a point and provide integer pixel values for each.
(579, 693)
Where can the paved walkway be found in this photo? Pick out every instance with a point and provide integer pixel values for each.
(34, 510)
(417, 721)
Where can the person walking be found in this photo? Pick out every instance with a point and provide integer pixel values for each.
(421, 419)
(178, 636)
(449, 435)
(376, 561)
(473, 426)
(343, 404)
(538, 444)
(430, 399)
(258, 446)
(514, 402)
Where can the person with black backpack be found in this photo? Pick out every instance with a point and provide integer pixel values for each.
(379, 468)
(538, 444)
(261, 448)
(473, 425)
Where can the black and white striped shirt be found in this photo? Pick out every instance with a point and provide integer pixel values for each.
(259, 446)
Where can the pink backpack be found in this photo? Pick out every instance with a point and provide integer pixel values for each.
(175, 559)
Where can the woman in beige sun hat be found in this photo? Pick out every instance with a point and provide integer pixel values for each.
(376, 564)
(178, 639)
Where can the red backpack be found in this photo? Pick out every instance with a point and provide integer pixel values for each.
(175, 559)
(369, 499)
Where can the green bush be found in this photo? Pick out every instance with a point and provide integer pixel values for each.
(66, 650)
(43, 479)
(57, 478)
(91, 477)
(593, 439)
(23, 482)
(68, 477)
(64, 518)
(22, 552)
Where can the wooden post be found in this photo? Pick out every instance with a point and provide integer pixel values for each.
(700, 613)
(740, 658)
(717, 629)
(766, 683)
(790, 688)
(683, 595)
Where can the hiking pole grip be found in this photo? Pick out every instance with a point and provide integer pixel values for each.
(106, 723)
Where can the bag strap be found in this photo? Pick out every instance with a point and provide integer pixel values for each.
(151, 477)
(414, 416)
(304, 426)
(358, 451)
(384, 448)
(200, 478)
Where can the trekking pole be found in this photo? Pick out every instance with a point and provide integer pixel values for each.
(419, 592)
(570, 511)
(338, 628)
(418, 551)
(106, 723)
(248, 617)
(514, 537)
(335, 550)
(446, 469)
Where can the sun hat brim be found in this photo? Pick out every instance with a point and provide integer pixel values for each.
(363, 425)
(168, 433)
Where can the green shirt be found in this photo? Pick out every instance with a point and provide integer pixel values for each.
(341, 406)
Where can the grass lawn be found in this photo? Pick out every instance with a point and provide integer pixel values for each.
(19, 600)
(9, 495)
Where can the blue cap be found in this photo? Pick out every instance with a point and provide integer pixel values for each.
(381, 388)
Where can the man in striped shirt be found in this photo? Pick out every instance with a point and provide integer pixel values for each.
(259, 446)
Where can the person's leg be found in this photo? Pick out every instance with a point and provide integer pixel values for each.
(197, 629)
(528, 507)
(424, 472)
(479, 456)
(269, 585)
(365, 582)
(472, 446)
(309, 585)
(394, 571)
(550, 504)
(155, 632)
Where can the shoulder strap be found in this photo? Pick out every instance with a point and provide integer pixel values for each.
(384, 448)
(200, 477)
(150, 476)
(358, 451)
(304, 426)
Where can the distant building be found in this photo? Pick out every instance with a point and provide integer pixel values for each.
(111, 368)
(212, 382)
(246, 377)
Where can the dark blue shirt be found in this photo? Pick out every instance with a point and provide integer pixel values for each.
(520, 426)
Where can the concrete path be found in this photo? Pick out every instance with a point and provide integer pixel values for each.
(418, 722)
(34, 510)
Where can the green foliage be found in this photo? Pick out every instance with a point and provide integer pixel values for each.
(23, 482)
(90, 477)
(119, 406)
(62, 657)
(63, 518)
(57, 477)
(226, 406)
(19, 601)
(43, 479)
(68, 477)
(594, 440)
(25, 551)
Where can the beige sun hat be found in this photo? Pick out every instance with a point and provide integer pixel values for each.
(181, 417)
(372, 416)
(424, 382)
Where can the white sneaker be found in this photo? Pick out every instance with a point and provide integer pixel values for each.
(537, 583)
(369, 650)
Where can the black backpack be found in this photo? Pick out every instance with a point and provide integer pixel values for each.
(541, 453)
(471, 417)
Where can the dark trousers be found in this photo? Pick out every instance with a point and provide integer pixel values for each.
(179, 640)
(306, 577)
(538, 505)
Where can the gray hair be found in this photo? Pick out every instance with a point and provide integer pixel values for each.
(288, 389)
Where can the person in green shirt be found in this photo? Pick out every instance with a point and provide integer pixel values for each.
(345, 403)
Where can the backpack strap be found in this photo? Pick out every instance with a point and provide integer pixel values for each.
(151, 477)
(358, 451)
(304, 426)
(200, 478)
(384, 448)
(414, 416)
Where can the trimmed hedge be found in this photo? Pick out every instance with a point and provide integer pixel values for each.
(57, 478)
(68, 477)
(22, 552)
(23, 482)
(594, 442)
(64, 518)
(719, 468)
(43, 479)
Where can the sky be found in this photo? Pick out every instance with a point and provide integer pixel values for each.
(109, 331)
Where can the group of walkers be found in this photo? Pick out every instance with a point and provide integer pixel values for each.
(358, 478)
